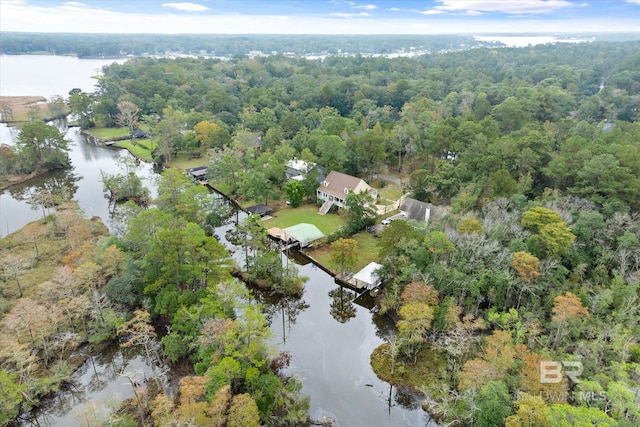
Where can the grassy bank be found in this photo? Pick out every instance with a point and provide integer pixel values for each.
(142, 148)
(109, 134)
(367, 252)
(184, 161)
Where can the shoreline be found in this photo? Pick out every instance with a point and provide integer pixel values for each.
(12, 180)
(20, 107)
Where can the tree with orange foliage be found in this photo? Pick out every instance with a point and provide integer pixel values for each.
(529, 377)
(476, 373)
(497, 359)
(193, 407)
(419, 292)
(566, 307)
(526, 265)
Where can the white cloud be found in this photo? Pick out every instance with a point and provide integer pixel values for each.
(430, 12)
(366, 7)
(77, 7)
(510, 7)
(186, 7)
(633, 1)
(348, 15)
(394, 9)
(35, 16)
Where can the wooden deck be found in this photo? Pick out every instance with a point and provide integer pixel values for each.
(347, 279)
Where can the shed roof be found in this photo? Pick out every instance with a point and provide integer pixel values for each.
(369, 274)
(199, 172)
(304, 233)
(259, 209)
(417, 210)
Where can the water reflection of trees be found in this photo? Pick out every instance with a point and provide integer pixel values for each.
(287, 307)
(341, 307)
(47, 190)
(95, 375)
(406, 398)
(385, 326)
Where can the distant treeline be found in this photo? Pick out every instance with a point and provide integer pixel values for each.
(88, 45)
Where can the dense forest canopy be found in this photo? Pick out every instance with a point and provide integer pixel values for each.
(513, 119)
(534, 151)
(535, 154)
(97, 45)
(86, 45)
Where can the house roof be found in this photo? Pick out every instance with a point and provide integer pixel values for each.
(259, 209)
(138, 133)
(336, 182)
(417, 210)
(304, 233)
(369, 274)
(300, 165)
(197, 171)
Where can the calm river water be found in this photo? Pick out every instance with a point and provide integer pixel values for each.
(329, 336)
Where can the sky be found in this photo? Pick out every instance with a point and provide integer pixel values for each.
(320, 16)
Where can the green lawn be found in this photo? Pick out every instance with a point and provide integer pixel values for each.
(367, 252)
(390, 191)
(142, 149)
(108, 134)
(288, 216)
(184, 161)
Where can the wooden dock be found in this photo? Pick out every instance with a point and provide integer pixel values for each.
(278, 235)
(347, 279)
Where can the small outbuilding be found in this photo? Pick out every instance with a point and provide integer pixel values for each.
(261, 210)
(367, 278)
(199, 173)
(304, 233)
(138, 134)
